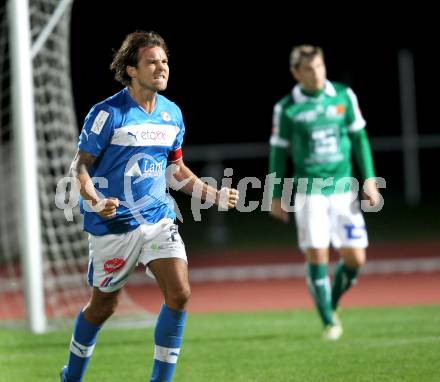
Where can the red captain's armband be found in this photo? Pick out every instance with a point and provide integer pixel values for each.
(175, 155)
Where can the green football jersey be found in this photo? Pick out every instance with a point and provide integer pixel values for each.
(315, 129)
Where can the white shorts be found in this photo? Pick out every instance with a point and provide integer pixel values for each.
(334, 219)
(112, 258)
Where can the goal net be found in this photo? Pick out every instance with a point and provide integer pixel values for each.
(64, 244)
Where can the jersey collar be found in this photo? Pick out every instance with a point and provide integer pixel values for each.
(135, 104)
(300, 97)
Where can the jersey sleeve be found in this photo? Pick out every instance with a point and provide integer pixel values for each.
(97, 131)
(176, 149)
(280, 129)
(355, 120)
(362, 153)
(279, 147)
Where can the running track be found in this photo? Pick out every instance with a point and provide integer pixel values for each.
(396, 275)
(269, 279)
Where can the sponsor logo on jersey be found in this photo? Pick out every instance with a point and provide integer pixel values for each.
(153, 168)
(306, 116)
(144, 166)
(146, 134)
(113, 265)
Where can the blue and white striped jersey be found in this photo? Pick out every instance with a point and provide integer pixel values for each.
(132, 148)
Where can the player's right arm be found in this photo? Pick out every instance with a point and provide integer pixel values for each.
(94, 138)
(79, 169)
(279, 149)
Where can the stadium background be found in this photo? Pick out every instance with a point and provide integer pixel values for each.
(228, 68)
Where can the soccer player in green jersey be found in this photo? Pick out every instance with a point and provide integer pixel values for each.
(320, 124)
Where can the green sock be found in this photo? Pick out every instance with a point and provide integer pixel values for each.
(319, 286)
(344, 278)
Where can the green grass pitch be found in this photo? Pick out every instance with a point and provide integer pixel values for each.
(386, 344)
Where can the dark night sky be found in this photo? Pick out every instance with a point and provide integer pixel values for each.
(228, 66)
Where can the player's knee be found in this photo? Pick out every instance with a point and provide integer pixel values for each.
(317, 255)
(99, 313)
(105, 312)
(360, 261)
(355, 261)
(353, 257)
(178, 298)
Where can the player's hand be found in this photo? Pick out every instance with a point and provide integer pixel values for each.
(106, 208)
(277, 211)
(371, 192)
(227, 198)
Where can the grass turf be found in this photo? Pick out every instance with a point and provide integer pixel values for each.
(383, 344)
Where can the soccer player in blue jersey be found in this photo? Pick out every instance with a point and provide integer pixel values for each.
(125, 145)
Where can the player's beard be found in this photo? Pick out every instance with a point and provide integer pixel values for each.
(158, 86)
(153, 85)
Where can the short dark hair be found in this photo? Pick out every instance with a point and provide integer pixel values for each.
(127, 54)
(301, 52)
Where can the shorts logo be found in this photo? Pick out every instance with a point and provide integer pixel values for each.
(106, 282)
(113, 265)
(156, 247)
(353, 232)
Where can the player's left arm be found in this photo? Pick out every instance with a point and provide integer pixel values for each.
(181, 176)
(364, 158)
(362, 149)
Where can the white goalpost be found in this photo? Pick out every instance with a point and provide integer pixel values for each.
(43, 257)
(23, 123)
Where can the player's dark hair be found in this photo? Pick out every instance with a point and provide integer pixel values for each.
(128, 53)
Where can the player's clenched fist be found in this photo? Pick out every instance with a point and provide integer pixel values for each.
(106, 208)
(227, 198)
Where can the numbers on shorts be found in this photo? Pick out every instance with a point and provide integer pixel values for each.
(174, 234)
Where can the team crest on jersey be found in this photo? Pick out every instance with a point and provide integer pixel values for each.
(335, 111)
(165, 116)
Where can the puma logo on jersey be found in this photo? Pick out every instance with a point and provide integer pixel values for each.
(132, 135)
(87, 135)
